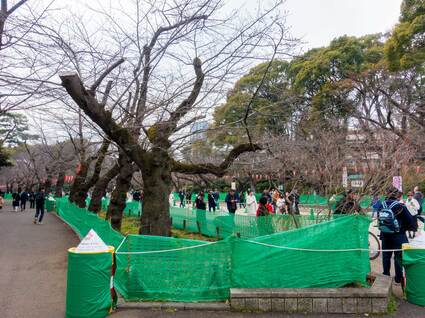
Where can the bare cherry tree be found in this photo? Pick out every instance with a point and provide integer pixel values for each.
(172, 67)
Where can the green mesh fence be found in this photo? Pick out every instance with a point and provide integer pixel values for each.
(8, 196)
(313, 256)
(305, 199)
(222, 225)
(185, 270)
(163, 268)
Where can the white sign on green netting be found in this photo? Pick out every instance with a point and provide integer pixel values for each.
(92, 243)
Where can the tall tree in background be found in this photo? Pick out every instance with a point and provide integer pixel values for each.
(405, 48)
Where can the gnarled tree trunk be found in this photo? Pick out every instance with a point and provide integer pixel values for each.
(100, 189)
(78, 188)
(80, 196)
(119, 195)
(59, 184)
(156, 172)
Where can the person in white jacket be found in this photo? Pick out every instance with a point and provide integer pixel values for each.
(251, 204)
(413, 206)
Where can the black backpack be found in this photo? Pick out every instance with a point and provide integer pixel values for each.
(387, 221)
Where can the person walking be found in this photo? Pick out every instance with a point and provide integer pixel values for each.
(294, 198)
(275, 197)
(251, 204)
(413, 206)
(32, 199)
(16, 197)
(281, 207)
(266, 194)
(188, 197)
(348, 204)
(418, 195)
(231, 201)
(264, 208)
(216, 196)
(211, 202)
(242, 203)
(199, 202)
(24, 199)
(39, 206)
(394, 220)
(264, 219)
(1, 201)
(182, 195)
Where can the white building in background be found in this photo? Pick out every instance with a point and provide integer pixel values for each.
(198, 130)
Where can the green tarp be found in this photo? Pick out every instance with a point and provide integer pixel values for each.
(414, 264)
(88, 285)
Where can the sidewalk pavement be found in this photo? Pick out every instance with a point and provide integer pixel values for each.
(33, 262)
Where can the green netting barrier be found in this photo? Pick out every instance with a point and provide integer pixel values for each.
(222, 225)
(186, 270)
(132, 208)
(8, 196)
(81, 221)
(171, 269)
(414, 264)
(313, 256)
(305, 199)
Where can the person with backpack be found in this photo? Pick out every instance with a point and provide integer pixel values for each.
(394, 220)
(39, 206)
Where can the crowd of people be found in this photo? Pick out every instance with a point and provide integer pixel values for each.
(274, 201)
(20, 199)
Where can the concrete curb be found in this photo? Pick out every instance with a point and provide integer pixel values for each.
(315, 300)
(213, 306)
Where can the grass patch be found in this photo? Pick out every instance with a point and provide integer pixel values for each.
(130, 225)
(392, 305)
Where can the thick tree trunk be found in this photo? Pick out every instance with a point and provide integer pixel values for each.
(100, 189)
(59, 183)
(48, 182)
(156, 173)
(119, 195)
(80, 196)
(78, 190)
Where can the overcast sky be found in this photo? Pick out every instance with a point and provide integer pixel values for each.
(317, 22)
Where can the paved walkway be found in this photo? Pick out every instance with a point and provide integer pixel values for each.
(33, 262)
